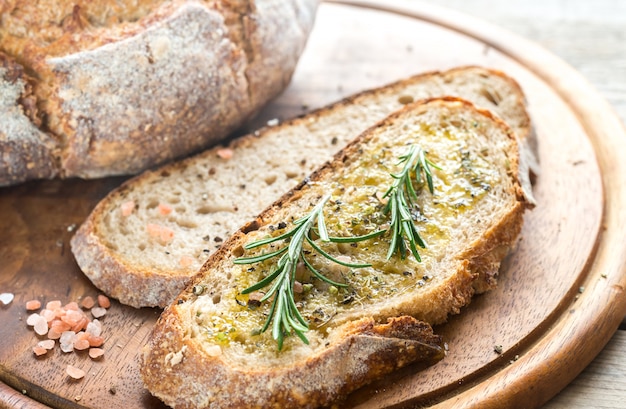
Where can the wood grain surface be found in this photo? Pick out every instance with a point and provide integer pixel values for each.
(548, 326)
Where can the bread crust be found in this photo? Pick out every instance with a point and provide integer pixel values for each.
(183, 77)
(177, 368)
(365, 350)
(138, 285)
(27, 153)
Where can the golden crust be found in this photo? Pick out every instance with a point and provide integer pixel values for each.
(27, 153)
(364, 352)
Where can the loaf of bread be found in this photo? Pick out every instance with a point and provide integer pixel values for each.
(144, 241)
(103, 87)
(209, 347)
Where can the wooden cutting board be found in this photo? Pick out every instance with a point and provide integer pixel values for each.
(561, 292)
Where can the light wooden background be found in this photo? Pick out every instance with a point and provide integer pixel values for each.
(591, 37)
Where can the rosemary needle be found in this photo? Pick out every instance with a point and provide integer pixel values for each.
(284, 315)
(402, 195)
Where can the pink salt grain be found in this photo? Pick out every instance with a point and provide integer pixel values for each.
(163, 234)
(95, 341)
(186, 261)
(46, 343)
(81, 344)
(67, 341)
(39, 351)
(103, 301)
(94, 328)
(52, 334)
(6, 298)
(225, 153)
(33, 305)
(53, 305)
(95, 353)
(74, 373)
(87, 302)
(59, 326)
(48, 315)
(98, 312)
(41, 326)
(164, 209)
(32, 319)
(72, 306)
(127, 208)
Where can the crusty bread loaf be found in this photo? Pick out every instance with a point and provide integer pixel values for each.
(121, 86)
(178, 215)
(206, 349)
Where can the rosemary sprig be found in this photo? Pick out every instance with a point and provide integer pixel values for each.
(284, 311)
(402, 195)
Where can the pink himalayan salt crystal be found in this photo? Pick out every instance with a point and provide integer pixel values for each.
(88, 302)
(103, 301)
(53, 305)
(67, 341)
(46, 343)
(81, 344)
(98, 312)
(94, 328)
(164, 209)
(39, 323)
(95, 353)
(127, 208)
(6, 298)
(39, 351)
(33, 305)
(225, 153)
(74, 373)
(161, 233)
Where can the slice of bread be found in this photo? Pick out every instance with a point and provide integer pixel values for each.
(144, 241)
(206, 349)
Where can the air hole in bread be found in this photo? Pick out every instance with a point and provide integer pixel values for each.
(492, 97)
(187, 223)
(209, 208)
(165, 173)
(290, 173)
(270, 179)
(142, 246)
(238, 251)
(405, 99)
(152, 203)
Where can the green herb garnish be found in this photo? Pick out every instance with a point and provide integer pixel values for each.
(402, 196)
(283, 311)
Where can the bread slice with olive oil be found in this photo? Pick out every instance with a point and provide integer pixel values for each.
(146, 239)
(208, 349)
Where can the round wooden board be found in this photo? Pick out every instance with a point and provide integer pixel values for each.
(548, 329)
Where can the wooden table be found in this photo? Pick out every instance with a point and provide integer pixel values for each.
(591, 37)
